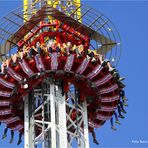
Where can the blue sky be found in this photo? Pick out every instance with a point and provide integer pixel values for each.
(131, 19)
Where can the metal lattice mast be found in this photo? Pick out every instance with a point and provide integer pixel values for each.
(56, 128)
(57, 122)
(62, 69)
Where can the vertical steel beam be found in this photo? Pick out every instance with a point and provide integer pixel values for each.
(62, 122)
(43, 116)
(85, 118)
(26, 122)
(29, 121)
(31, 102)
(53, 123)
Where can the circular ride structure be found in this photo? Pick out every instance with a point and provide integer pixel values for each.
(58, 79)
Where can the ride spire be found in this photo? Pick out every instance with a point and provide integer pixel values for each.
(61, 83)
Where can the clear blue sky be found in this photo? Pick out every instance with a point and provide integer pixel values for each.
(132, 21)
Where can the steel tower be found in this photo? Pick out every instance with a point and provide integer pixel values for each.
(58, 78)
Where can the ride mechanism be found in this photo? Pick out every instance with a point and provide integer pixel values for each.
(58, 79)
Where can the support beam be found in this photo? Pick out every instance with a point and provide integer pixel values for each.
(85, 118)
(26, 122)
(29, 121)
(62, 122)
(53, 123)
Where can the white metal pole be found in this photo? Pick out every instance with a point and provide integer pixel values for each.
(43, 119)
(53, 123)
(26, 123)
(86, 133)
(62, 122)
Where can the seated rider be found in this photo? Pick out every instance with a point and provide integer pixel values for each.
(14, 59)
(91, 55)
(112, 123)
(79, 50)
(50, 46)
(5, 65)
(104, 62)
(5, 133)
(34, 50)
(24, 51)
(20, 139)
(122, 95)
(65, 50)
(44, 49)
(68, 48)
(73, 49)
(119, 111)
(12, 136)
(38, 47)
(58, 48)
(91, 130)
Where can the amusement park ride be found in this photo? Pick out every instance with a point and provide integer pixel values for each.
(58, 80)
